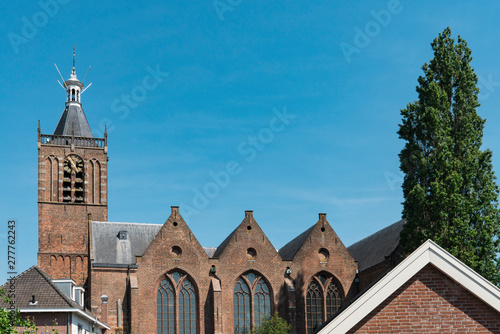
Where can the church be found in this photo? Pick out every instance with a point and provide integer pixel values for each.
(157, 278)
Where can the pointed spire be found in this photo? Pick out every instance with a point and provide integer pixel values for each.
(73, 72)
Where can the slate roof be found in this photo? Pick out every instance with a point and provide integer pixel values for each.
(288, 251)
(73, 117)
(35, 281)
(374, 248)
(107, 248)
(210, 251)
(223, 245)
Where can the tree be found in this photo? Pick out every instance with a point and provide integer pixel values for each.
(273, 325)
(10, 320)
(450, 193)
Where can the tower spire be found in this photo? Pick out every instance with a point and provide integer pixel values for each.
(73, 72)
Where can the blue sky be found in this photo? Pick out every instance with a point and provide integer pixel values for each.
(300, 100)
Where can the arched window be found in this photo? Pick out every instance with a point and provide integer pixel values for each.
(73, 179)
(176, 305)
(323, 300)
(251, 302)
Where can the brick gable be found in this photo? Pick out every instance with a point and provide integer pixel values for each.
(431, 302)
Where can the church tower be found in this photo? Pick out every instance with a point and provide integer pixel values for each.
(72, 189)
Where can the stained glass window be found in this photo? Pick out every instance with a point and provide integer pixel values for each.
(323, 300)
(314, 303)
(176, 293)
(251, 303)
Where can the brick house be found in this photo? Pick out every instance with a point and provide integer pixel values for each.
(52, 304)
(157, 278)
(428, 292)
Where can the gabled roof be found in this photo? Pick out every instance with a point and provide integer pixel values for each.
(288, 251)
(35, 281)
(428, 253)
(223, 245)
(108, 248)
(375, 248)
(73, 119)
(48, 297)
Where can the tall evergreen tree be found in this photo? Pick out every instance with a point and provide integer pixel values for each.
(449, 186)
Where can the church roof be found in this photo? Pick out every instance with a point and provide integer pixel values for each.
(222, 246)
(288, 251)
(119, 243)
(109, 247)
(73, 118)
(374, 248)
(35, 281)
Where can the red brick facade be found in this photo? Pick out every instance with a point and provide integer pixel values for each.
(48, 322)
(63, 235)
(431, 302)
(247, 249)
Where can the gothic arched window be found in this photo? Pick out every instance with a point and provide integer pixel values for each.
(176, 305)
(323, 300)
(251, 302)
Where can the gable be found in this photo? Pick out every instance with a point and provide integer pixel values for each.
(427, 254)
(430, 300)
(174, 236)
(247, 234)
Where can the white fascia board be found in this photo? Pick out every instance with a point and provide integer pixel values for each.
(427, 253)
(65, 310)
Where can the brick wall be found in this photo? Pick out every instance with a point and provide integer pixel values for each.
(431, 302)
(63, 227)
(215, 292)
(45, 322)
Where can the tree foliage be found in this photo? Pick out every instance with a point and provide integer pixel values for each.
(273, 325)
(11, 320)
(449, 186)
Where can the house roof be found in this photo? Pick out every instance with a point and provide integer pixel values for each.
(109, 249)
(428, 253)
(375, 248)
(35, 281)
(49, 298)
(73, 119)
(288, 251)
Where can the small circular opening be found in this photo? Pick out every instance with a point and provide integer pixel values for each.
(323, 255)
(175, 224)
(251, 254)
(176, 251)
(322, 229)
(249, 227)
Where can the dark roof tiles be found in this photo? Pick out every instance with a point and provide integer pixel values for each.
(35, 281)
(73, 119)
(288, 251)
(375, 248)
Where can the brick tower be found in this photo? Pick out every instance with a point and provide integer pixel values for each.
(72, 189)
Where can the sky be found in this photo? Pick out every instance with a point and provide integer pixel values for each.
(285, 108)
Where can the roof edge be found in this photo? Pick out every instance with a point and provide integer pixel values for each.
(428, 253)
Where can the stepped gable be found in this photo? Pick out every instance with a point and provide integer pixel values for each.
(375, 248)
